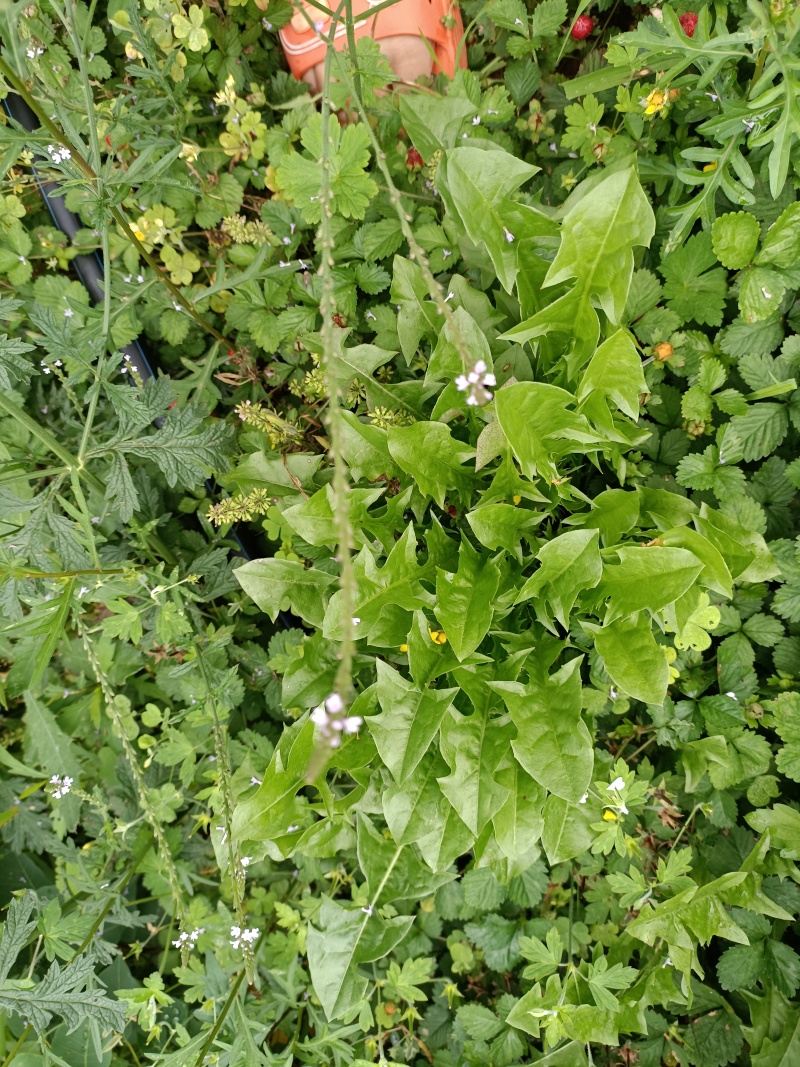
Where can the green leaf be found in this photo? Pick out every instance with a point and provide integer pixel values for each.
(480, 1023)
(274, 807)
(540, 427)
(433, 457)
(740, 967)
(272, 581)
(735, 239)
(14, 365)
(465, 600)
(615, 372)
(300, 176)
(693, 287)
(760, 293)
(569, 563)
(51, 747)
(761, 429)
(552, 744)
(566, 831)
(604, 221)
(548, 18)
(781, 246)
(479, 183)
(409, 721)
(782, 823)
(394, 873)
(434, 122)
(344, 939)
(396, 585)
(365, 448)
(647, 577)
(473, 747)
(717, 1038)
(633, 659)
(61, 993)
(502, 525)
(17, 931)
(784, 1050)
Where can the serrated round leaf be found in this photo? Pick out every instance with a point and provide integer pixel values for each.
(735, 238)
(760, 294)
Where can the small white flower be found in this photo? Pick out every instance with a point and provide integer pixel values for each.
(613, 693)
(480, 367)
(731, 694)
(140, 278)
(767, 295)
(351, 724)
(552, 146)
(461, 383)
(319, 716)
(472, 401)
(334, 704)
(61, 786)
(355, 620)
(367, 910)
(84, 589)
(177, 306)
(319, 25)
(748, 125)
(246, 861)
(667, 963)
(489, 379)
(509, 236)
(616, 785)
(473, 378)
(584, 798)
(476, 121)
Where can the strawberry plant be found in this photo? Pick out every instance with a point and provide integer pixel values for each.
(408, 671)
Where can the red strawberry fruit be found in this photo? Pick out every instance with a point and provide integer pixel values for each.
(582, 28)
(689, 23)
(413, 159)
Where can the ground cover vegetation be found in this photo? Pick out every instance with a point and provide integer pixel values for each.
(490, 755)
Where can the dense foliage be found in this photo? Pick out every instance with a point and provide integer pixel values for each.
(491, 757)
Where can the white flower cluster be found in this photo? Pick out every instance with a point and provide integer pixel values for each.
(332, 723)
(243, 937)
(34, 52)
(477, 384)
(188, 939)
(125, 366)
(58, 155)
(61, 786)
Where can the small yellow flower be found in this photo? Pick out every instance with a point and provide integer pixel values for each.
(516, 498)
(131, 52)
(439, 637)
(404, 648)
(657, 100)
(188, 152)
(709, 167)
(609, 816)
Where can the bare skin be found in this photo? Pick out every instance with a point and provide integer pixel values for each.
(409, 57)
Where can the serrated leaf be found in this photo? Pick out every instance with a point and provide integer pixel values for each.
(735, 239)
